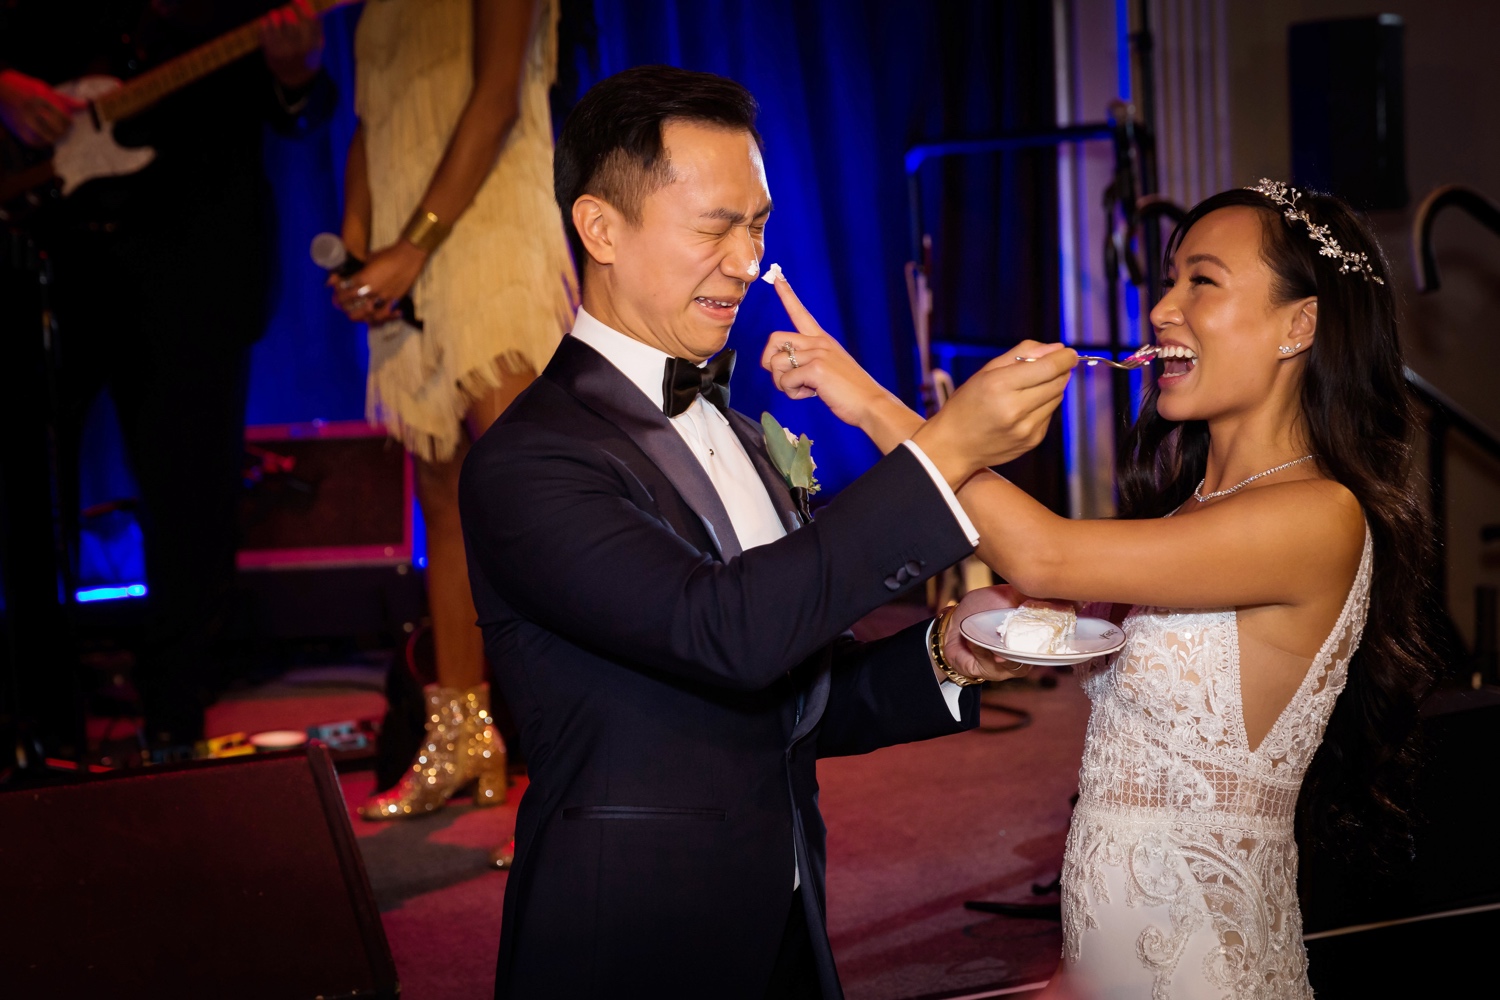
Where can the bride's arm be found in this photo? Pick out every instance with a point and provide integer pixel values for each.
(1229, 554)
(1005, 407)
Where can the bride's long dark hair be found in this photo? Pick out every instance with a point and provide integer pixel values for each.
(1358, 413)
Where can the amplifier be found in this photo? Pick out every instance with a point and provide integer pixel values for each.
(326, 534)
(325, 494)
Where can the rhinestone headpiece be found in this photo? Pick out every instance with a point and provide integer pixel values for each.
(1284, 194)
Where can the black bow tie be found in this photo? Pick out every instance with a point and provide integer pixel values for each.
(684, 382)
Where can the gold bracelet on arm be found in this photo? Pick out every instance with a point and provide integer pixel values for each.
(936, 646)
(425, 231)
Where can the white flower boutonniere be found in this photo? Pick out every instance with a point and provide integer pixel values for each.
(792, 456)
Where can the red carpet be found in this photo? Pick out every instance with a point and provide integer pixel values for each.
(913, 832)
(916, 830)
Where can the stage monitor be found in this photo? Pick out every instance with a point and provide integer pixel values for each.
(226, 879)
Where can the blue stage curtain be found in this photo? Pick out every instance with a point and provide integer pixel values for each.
(845, 87)
(310, 365)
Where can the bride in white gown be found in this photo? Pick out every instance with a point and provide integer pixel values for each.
(1263, 509)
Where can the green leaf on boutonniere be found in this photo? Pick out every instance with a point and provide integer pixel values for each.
(791, 455)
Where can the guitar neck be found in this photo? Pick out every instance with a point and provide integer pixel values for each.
(145, 90)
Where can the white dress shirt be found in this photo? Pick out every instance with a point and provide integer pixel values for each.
(705, 430)
(721, 453)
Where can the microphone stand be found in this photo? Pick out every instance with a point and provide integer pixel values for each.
(41, 705)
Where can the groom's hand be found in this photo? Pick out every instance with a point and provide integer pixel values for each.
(970, 660)
(999, 414)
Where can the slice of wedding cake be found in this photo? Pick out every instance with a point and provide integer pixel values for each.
(1040, 627)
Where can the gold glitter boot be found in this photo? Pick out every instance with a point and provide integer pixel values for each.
(461, 747)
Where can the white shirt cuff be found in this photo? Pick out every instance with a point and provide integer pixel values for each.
(950, 690)
(946, 491)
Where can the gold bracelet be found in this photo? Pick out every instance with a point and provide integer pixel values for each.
(939, 639)
(425, 231)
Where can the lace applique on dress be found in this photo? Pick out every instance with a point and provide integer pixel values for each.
(1174, 803)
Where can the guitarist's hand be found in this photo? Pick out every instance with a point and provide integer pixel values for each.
(370, 294)
(34, 112)
(292, 37)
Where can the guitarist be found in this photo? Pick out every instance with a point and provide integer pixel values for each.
(161, 281)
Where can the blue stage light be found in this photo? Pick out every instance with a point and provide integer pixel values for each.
(110, 593)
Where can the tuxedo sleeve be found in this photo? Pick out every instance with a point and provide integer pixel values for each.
(565, 534)
(884, 692)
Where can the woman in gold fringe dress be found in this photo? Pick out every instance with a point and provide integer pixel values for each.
(449, 199)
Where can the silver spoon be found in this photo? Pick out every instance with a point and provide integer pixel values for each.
(1140, 358)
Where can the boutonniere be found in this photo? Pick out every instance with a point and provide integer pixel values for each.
(792, 456)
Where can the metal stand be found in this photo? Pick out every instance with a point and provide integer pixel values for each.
(1135, 211)
(41, 708)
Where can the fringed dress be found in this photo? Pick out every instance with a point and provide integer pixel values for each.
(499, 293)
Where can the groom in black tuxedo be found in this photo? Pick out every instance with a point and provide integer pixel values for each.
(667, 629)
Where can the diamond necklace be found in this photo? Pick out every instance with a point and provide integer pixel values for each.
(1198, 491)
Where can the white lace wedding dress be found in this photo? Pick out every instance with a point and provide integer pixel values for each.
(1180, 876)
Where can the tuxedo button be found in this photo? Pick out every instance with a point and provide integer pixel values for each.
(902, 576)
(914, 566)
(891, 583)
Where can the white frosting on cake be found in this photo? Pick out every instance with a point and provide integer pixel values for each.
(1040, 627)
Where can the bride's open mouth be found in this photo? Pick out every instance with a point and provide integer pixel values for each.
(719, 309)
(1176, 362)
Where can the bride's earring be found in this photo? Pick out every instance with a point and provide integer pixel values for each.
(1289, 350)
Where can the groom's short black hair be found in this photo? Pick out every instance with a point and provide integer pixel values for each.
(611, 144)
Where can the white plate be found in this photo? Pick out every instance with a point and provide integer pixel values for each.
(1094, 637)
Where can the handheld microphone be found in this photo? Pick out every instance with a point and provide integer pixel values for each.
(329, 253)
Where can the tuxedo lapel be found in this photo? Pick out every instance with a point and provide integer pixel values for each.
(812, 702)
(814, 698)
(599, 385)
(751, 435)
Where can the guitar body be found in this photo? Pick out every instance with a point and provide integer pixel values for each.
(89, 150)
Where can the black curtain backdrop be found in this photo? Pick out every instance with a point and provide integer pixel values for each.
(995, 254)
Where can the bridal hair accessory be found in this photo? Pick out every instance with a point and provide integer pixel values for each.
(1284, 194)
(1198, 491)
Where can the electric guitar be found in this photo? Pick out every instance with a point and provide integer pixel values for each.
(88, 149)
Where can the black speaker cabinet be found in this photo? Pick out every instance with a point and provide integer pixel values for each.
(1348, 109)
(325, 494)
(225, 879)
(326, 533)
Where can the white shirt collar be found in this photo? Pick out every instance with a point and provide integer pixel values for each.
(643, 364)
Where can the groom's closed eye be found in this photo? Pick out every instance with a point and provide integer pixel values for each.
(756, 223)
